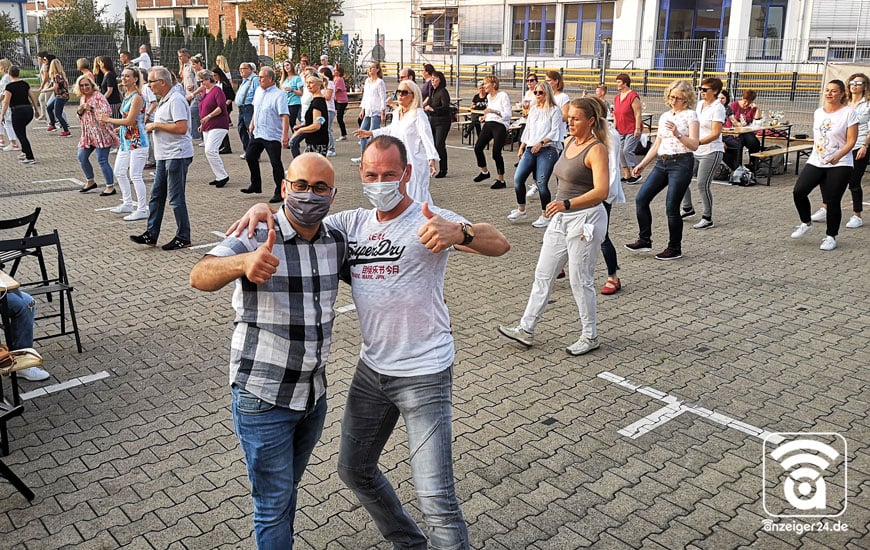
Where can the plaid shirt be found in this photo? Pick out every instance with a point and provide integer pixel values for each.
(284, 327)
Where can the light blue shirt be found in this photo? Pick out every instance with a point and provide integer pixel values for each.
(245, 96)
(269, 106)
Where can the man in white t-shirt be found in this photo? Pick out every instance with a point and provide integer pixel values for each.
(398, 256)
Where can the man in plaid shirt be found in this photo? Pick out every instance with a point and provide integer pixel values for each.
(286, 282)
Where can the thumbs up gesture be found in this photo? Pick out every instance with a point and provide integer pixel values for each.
(261, 264)
(438, 234)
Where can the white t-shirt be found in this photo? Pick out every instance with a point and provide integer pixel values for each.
(715, 112)
(670, 145)
(172, 108)
(398, 289)
(562, 99)
(500, 102)
(829, 135)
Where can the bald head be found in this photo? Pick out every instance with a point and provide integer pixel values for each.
(312, 168)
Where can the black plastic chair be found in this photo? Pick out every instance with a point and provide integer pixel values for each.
(15, 256)
(49, 284)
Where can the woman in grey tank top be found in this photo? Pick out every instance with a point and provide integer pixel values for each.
(577, 227)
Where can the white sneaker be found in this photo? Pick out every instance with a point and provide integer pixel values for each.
(242, 156)
(583, 345)
(820, 215)
(137, 215)
(518, 334)
(201, 144)
(801, 230)
(533, 190)
(704, 224)
(34, 374)
(828, 243)
(11, 147)
(330, 153)
(517, 215)
(356, 160)
(542, 221)
(854, 222)
(122, 209)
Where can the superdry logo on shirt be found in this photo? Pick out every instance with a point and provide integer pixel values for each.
(372, 252)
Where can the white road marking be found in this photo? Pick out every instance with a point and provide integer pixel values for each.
(65, 385)
(673, 408)
(73, 180)
(345, 309)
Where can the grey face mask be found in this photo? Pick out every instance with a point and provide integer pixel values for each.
(307, 208)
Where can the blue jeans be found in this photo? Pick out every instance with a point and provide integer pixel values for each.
(102, 159)
(246, 114)
(277, 443)
(56, 114)
(374, 403)
(22, 309)
(171, 179)
(331, 135)
(542, 164)
(368, 123)
(675, 174)
(607, 248)
(194, 118)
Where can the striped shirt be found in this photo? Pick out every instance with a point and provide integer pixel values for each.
(283, 328)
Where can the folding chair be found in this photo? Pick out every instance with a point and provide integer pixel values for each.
(49, 284)
(15, 256)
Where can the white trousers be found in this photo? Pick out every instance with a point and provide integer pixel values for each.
(567, 240)
(212, 140)
(6, 128)
(132, 162)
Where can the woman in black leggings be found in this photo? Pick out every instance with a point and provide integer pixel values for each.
(20, 99)
(497, 118)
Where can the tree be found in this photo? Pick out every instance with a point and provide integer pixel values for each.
(299, 25)
(79, 17)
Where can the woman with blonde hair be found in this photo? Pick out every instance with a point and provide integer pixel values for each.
(133, 151)
(411, 125)
(8, 139)
(84, 66)
(673, 150)
(372, 105)
(578, 226)
(96, 136)
(313, 128)
(60, 87)
(224, 65)
(538, 152)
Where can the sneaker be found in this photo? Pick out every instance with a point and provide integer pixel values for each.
(499, 184)
(669, 254)
(820, 215)
(11, 147)
(517, 215)
(201, 144)
(533, 190)
(27, 161)
(330, 153)
(65, 133)
(144, 238)
(480, 177)
(639, 246)
(342, 138)
(34, 374)
(801, 230)
(356, 160)
(632, 180)
(854, 222)
(51, 129)
(542, 221)
(583, 345)
(518, 334)
(137, 215)
(122, 209)
(687, 213)
(242, 156)
(828, 243)
(704, 224)
(176, 244)
(22, 156)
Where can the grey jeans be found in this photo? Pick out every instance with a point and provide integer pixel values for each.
(706, 168)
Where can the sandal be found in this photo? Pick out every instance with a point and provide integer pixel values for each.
(611, 287)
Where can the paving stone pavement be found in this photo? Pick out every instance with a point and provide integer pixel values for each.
(750, 324)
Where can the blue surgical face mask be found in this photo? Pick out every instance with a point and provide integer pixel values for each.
(306, 208)
(384, 195)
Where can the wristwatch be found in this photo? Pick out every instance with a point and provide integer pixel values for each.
(567, 203)
(468, 231)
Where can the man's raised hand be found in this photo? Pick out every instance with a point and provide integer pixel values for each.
(438, 234)
(261, 264)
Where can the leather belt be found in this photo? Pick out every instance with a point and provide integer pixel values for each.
(675, 157)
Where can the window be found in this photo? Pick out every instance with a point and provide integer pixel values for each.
(534, 26)
(766, 28)
(584, 28)
(481, 30)
(438, 30)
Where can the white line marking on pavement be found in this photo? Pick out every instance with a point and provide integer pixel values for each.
(65, 385)
(673, 408)
(345, 309)
(218, 234)
(73, 180)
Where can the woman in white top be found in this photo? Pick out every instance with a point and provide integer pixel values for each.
(857, 97)
(411, 125)
(708, 155)
(555, 80)
(8, 139)
(677, 138)
(835, 132)
(496, 119)
(329, 96)
(539, 151)
(372, 104)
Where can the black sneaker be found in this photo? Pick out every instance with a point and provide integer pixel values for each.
(639, 246)
(632, 180)
(144, 238)
(687, 213)
(669, 254)
(499, 184)
(481, 176)
(176, 244)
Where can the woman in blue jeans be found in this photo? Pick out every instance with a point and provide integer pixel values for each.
(539, 151)
(22, 309)
(96, 136)
(677, 139)
(372, 104)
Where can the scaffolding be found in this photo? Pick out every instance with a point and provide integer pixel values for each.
(434, 30)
